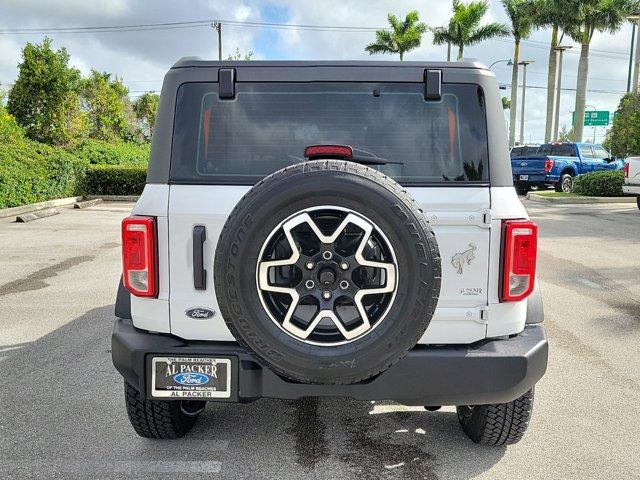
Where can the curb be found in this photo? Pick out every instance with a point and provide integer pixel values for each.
(60, 202)
(32, 207)
(578, 200)
(113, 198)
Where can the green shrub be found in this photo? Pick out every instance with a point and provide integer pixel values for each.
(98, 152)
(33, 172)
(600, 184)
(115, 180)
(10, 131)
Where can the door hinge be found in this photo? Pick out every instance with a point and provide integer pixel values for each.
(486, 217)
(484, 314)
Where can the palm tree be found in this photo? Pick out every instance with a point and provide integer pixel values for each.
(402, 37)
(554, 14)
(592, 15)
(521, 16)
(464, 28)
(442, 35)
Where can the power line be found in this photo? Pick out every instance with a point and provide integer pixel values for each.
(189, 24)
(611, 54)
(543, 87)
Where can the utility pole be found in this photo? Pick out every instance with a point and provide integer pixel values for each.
(524, 63)
(218, 26)
(636, 71)
(630, 73)
(556, 114)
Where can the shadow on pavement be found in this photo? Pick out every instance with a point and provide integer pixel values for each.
(63, 413)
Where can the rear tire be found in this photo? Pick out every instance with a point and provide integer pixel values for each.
(522, 188)
(638, 201)
(160, 419)
(565, 184)
(497, 424)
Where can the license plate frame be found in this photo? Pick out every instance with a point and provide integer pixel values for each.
(523, 177)
(191, 370)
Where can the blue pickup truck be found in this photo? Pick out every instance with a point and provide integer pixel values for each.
(557, 164)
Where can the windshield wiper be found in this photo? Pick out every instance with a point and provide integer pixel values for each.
(374, 161)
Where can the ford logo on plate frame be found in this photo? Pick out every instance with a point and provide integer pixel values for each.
(200, 313)
(191, 378)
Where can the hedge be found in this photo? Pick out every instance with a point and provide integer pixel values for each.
(114, 180)
(600, 184)
(98, 152)
(33, 172)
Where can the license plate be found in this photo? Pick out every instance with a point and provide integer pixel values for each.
(524, 177)
(191, 377)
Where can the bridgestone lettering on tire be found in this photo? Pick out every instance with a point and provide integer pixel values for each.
(327, 271)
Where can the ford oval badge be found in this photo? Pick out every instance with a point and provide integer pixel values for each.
(191, 378)
(199, 313)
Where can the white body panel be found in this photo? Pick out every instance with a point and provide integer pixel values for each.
(462, 218)
(153, 313)
(634, 172)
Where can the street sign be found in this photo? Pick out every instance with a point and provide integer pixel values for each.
(598, 118)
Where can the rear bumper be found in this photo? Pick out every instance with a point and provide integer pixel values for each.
(491, 371)
(536, 178)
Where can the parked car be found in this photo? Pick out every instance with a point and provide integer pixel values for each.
(305, 231)
(557, 164)
(632, 178)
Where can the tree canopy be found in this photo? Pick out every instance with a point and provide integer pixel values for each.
(402, 37)
(464, 28)
(108, 108)
(44, 97)
(145, 108)
(623, 139)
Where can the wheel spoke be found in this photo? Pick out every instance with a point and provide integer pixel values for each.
(326, 301)
(390, 277)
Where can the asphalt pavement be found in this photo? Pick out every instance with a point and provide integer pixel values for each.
(62, 413)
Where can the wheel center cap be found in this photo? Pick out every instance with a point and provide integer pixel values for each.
(327, 276)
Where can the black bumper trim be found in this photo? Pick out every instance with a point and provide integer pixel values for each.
(490, 371)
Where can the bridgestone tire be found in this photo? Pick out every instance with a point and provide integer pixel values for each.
(497, 424)
(158, 418)
(346, 185)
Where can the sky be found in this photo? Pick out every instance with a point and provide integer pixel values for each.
(142, 58)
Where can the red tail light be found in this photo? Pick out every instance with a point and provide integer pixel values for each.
(519, 255)
(139, 255)
(342, 151)
(626, 169)
(548, 165)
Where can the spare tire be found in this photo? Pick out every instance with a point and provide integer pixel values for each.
(327, 271)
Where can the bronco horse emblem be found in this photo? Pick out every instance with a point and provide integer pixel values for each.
(459, 259)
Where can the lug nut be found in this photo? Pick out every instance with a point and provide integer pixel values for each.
(344, 265)
(326, 294)
(327, 255)
(344, 284)
(309, 284)
(310, 265)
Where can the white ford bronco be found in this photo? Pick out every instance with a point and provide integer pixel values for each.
(330, 229)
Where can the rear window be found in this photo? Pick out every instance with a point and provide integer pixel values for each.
(523, 151)
(557, 150)
(267, 127)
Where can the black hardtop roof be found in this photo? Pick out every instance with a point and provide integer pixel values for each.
(197, 62)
